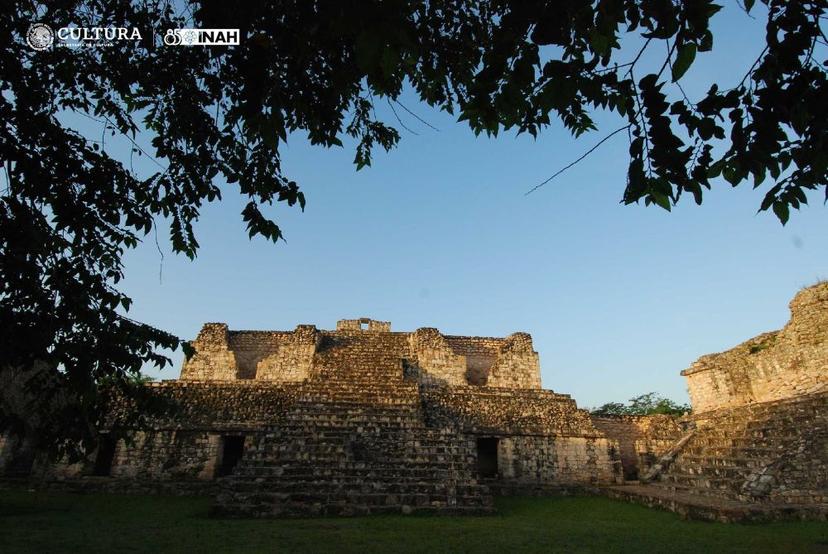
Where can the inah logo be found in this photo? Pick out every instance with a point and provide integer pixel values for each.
(201, 37)
(40, 36)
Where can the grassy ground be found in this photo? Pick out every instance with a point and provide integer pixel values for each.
(59, 522)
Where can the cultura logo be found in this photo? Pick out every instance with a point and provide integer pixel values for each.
(40, 36)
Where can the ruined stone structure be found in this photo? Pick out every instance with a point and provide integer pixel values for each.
(758, 447)
(363, 419)
(641, 439)
(356, 420)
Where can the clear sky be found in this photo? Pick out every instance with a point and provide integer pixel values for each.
(438, 233)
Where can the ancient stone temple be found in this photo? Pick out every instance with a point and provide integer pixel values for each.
(363, 419)
(360, 419)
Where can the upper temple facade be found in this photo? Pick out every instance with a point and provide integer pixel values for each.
(425, 355)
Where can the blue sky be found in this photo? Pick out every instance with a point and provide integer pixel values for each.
(438, 233)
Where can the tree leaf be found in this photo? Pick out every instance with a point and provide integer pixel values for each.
(782, 211)
(684, 59)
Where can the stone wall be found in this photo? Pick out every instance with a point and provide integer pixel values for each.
(363, 324)
(213, 359)
(480, 354)
(17, 456)
(437, 361)
(516, 365)
(481, 410)
(167, 454)
(641, 440)
(251, 347)
(544, 440)
(276, 356)
(552, 460)
(150, 455)
(773, 366)
(7, 448)
(429, 356)
(182, 440)
(212, 406)
(480, 361)
(293, 360)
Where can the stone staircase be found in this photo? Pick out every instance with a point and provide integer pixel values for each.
(354, 442)
(744, 453)
(362, 356)
(758, 461)
(485, 409)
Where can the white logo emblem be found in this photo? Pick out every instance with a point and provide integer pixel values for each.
(40, 36)
(172, 38)
(202, 37)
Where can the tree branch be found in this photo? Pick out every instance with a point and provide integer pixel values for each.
(587, 153)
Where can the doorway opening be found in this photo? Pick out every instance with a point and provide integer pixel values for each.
(232, 450)
(487, 456)
(105, 456)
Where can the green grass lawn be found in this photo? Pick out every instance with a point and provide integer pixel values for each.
(58, 522)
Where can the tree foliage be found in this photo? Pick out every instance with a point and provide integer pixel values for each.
(645, 404)
(220, 116)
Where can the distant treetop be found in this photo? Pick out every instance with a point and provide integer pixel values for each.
(646, 404)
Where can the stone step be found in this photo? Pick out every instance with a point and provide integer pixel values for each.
(378, 498)
(309, 427)
(701, 483)
(712, 470)
(318, 455)
(334, 458)
(387, 475)
(692, 505)
(390, 474)
(700, 444)
(352, 487)
(412, 471)
(694, 461)
(346, 509)
(351, 385)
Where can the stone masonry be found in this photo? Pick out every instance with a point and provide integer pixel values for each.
(789, 363)
(357, 420)
(363, 419)
(757, 448)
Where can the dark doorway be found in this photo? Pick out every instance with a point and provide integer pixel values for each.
(105, 456)
(20, 464)
(231, 452)
(487, 456)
